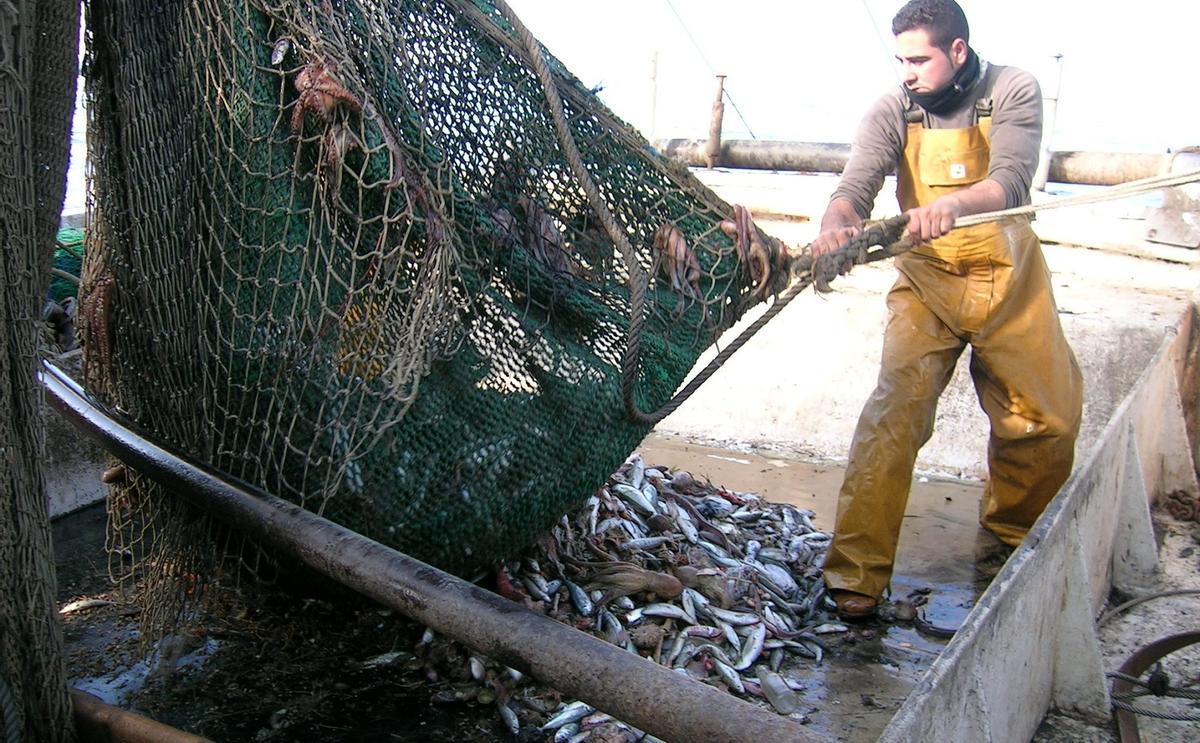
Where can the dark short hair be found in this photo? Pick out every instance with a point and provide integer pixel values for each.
(943, 20)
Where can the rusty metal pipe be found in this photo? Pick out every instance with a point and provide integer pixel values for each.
(755, 154)
(97, 722)
(1105, 168)
(629, 687)
(712, 148)
(1081, 168)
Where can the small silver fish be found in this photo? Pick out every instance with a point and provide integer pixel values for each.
(385, 659)
(736, 618)
(752, 649)
(747, 516)
(634, 498)
(280, 50)
(535, 590)
(645, 543)
(676, 648)
(684, 521)
(814, 538)
(717, 555)
(713, 651)
(650, 494)
(509, 717)
(731, 637)
(699, 599)
(573, 712)
(782, 579)
(806, 519)
(780, 622)
(583, 604)
(776, 660)
(730, 676)
(817, 651)
(688, 602)
(752, 548)
(614, 522)
(478, 670)
(614, 633)
(636, 474)
(593, 506)
(671, 611)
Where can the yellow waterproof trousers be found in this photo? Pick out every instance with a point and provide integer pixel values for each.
(994, 294)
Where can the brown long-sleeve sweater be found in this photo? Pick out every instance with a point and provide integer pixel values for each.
(1015, 137)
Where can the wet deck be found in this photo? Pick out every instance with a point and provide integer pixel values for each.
(858, 689)
(851, 696)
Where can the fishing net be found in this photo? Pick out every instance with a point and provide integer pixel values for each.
(338, 250)
(38, 56)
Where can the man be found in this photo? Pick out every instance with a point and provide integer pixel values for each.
(963, 137)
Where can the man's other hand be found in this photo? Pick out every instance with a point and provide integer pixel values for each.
(930, 222)
(831, 240)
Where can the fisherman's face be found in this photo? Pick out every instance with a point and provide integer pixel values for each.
(924, 67)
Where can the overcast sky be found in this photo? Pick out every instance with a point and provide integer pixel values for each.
(807, 70)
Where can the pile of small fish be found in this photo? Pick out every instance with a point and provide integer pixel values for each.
(716, 584)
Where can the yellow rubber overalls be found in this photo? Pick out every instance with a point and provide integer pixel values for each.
(988, 286)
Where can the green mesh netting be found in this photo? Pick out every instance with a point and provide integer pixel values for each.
(335, 250)
(68, 259)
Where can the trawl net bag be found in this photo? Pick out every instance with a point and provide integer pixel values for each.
(336, 249)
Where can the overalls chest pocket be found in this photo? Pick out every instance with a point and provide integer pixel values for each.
(953, 158)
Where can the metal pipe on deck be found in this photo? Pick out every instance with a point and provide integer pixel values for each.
(629, 687)
(1082, 168)
(97, 722)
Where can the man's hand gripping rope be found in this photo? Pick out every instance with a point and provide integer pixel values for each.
(886, 234)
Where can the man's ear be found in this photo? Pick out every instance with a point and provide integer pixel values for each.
(958, 52)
